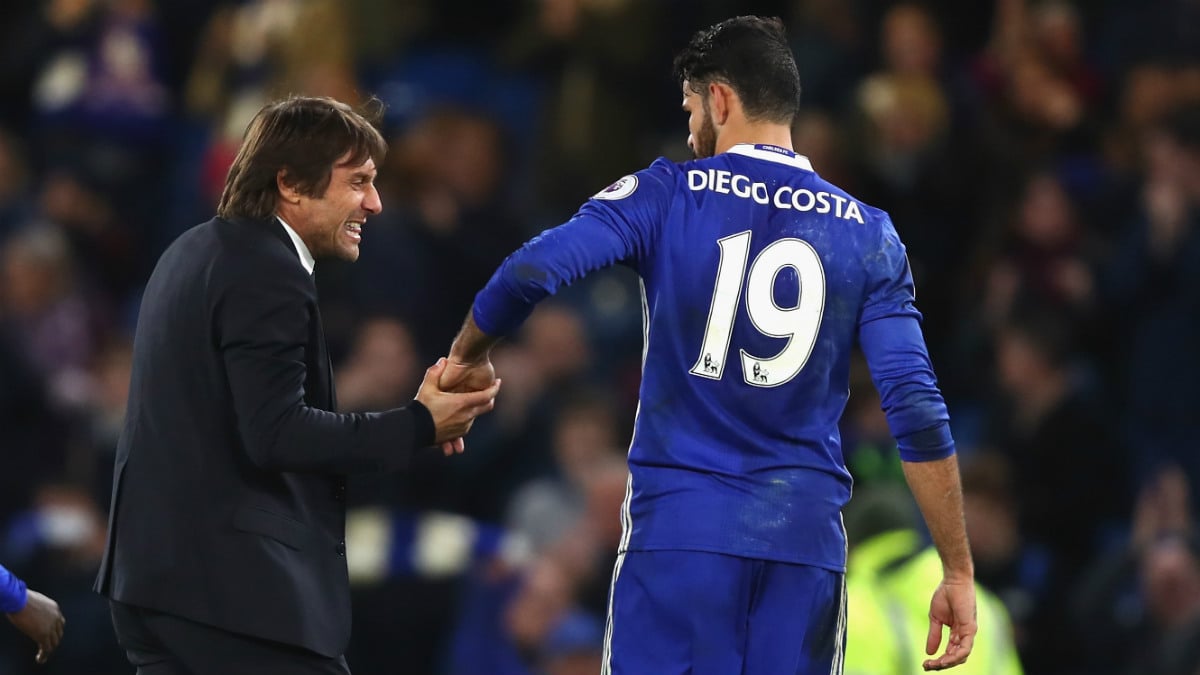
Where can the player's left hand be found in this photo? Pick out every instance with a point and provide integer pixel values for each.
(460, 377)
(953, 605)
(42, 621)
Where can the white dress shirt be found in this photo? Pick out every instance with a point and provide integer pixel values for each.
(306, 256)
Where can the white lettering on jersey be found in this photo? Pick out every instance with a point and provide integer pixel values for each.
(785, 197)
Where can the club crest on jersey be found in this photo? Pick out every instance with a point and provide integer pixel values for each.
(620, 189)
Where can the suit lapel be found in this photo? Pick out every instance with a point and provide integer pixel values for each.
(273, 226)
(323, 355)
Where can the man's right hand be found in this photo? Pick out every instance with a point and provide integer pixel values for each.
(453, 413)
(42, 621)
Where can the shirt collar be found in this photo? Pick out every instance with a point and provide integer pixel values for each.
(306, 257)
(772, 153)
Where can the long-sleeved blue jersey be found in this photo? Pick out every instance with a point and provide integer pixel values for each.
(758, 277)
(12, 592)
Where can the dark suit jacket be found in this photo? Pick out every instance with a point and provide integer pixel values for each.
(228, 503)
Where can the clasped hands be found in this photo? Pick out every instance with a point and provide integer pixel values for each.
(456, 392)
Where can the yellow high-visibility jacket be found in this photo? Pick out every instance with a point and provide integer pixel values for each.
(889, 581)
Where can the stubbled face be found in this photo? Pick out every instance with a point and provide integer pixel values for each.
(702, 135)
(332, 224)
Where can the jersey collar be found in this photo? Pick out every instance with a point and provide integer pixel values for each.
(772, 153)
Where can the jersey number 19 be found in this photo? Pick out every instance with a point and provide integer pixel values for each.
(798, 324)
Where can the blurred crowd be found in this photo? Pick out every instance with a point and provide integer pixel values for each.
(1041, 160)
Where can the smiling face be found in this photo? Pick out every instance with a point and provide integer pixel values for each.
(331, 225)
(702, 135)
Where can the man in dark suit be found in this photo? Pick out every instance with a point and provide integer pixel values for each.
(226, 549)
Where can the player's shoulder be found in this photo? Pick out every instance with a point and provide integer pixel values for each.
(718, 161)
(657, 178)
(870, 213)
(664, 170)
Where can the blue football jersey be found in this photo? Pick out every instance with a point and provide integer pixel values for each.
(758, 278)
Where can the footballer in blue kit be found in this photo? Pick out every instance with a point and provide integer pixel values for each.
(758, 279)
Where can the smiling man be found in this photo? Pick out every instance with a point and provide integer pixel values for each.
(226, 550)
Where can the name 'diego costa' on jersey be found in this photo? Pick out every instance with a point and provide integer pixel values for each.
(783, 197)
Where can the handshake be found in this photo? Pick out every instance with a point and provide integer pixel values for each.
(457, 391)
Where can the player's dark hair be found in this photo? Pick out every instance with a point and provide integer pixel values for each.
(750, 54)
(305, 137)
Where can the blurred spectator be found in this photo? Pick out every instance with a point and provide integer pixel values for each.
(382, 370)
(574, 646)
(105, 248)
(542, 601)
(584, 438)
(1045, 258)
(381, 28)
(100, 101)
(1039, 88)
(32, 433)
(445, 177)
(506, 616)
(415, 576)
(14, 179)
(816, 136)
(1050, 251)
(828, 40)
(911, 43)
(1018, 572)
(1147, 95)
(1057, 32)
(52, 319)
(906, 167)
(1152, 285)
(594, 89)
(515, 620)
(253, 51)
(108, 84)
(908, 118)
(92, 454)
(1141, 603)
(1171, 582)
(1048, 426)
(909, 110)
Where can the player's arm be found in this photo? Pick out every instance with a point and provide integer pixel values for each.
(604, 232)
(32, 613)
(938, 492)
(896, 353)
(890, 336)
(936, 486)
(469, 365)
(900, 367)
(537, 270)
(12, 592)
